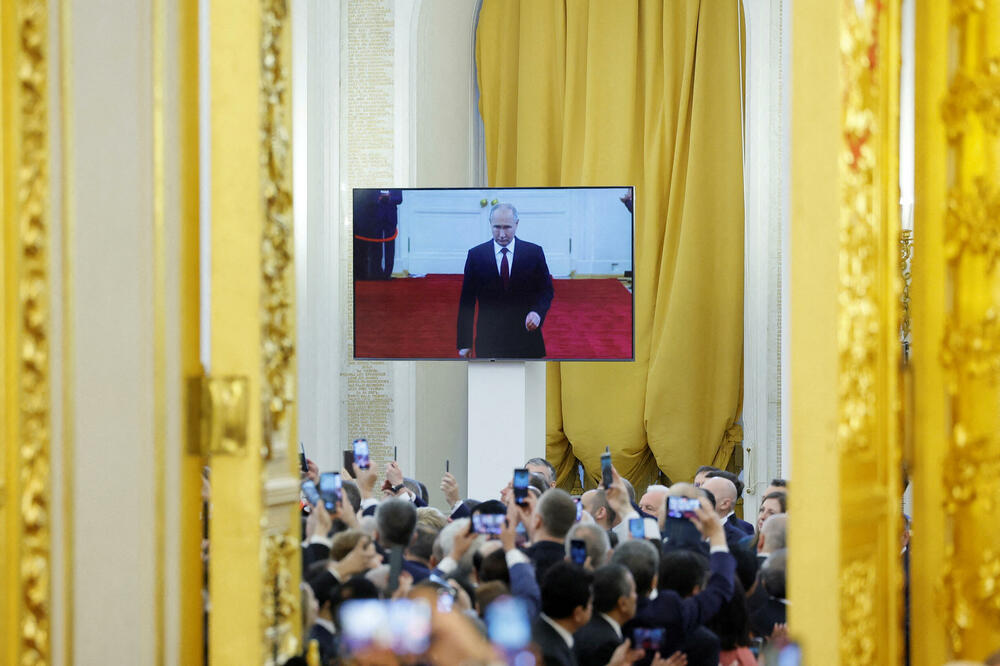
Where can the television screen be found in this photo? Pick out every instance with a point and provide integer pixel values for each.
(493, 274)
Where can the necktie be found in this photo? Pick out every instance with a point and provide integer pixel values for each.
(504, 270)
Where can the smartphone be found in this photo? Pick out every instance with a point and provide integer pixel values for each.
(606, 478)
(507, 624)
(329, 489)
(361, 453)
(303, 465)
(637, 528)
(578, 551)
(579, 510)
(647, 638)
(402, 626)
(488, 523)
(521, 476)
(310, 492)
(681, 507)
(395, 566)
(349, 460)
(447, 465)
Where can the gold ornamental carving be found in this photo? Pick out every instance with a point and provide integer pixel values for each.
(277, 307)
(975, 93)
(972, 223)
(30, 498)
(858, 320)
(972, 472)
(906, 280)
(971, 351)
(857, 610)
(280, 598)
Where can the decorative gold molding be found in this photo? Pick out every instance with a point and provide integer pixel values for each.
(281, 598)
(278, 312)
(905, 278)
(973, 93)
(858, 326)
(280, 550)
(972, 223)
(972, 471)
(858, 629)
(31, 203)
(971, 351)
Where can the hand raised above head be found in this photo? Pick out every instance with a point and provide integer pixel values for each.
(449, 486)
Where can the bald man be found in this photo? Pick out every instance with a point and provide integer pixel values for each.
(725, 505)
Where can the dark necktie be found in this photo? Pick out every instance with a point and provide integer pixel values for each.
(504, 270)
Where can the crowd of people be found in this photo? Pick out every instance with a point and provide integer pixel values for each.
(539, 576)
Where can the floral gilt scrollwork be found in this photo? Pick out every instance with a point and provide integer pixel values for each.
(280, 598)
(278, 334)
(972, 351)
(33, 329)
(971, 459)
(976, 93)
(857, 603)
(858, 322)
(973, 222)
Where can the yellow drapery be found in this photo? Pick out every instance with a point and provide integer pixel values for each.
(643, 93)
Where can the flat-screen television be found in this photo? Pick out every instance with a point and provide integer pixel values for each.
(494, 274)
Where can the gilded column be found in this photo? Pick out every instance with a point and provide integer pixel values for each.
(956, 332)
(845, 334)
(25, 398)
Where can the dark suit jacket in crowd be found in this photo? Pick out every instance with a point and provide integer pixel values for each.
(763, 619)
(741, 525)
(500, 331)
(681, 617)
(327, 643)
(543, 555)
(595, 642)
(554, 650)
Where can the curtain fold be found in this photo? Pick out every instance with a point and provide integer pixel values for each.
(643, 93)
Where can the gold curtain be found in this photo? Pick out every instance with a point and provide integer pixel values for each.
(643, 93)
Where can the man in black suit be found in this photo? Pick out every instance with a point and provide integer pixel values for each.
(375, 230)
(772, 611)
(510, 281)
(551, 519)
(614, 604)
(566, 607)
(730, 517)
(725, 501)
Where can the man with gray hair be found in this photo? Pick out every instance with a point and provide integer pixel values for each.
(596, 540)
(509, 280)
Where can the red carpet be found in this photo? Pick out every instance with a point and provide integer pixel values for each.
(416, 318)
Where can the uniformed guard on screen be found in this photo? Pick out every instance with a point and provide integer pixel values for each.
(510, 281)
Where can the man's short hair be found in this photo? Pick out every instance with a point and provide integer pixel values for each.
(707, 468)
(642, 559)
(775, 532)
(630, 489)
(596, 539)
(352, 493)
(422, 543)
(356, 587)
(565, 587)
(557, 511)
(538, 482)
(772, 573)
(610, 585)
(542, 462)
(395, 520)
(494, 567)
(779, 483)
(731, 477)
(508, 206)
(601, 500)
(681, 570)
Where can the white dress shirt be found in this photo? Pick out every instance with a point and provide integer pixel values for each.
(498, 255)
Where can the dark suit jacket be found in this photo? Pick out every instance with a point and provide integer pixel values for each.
(543, 555)
(741, 525)
(763, 619)
(682, 617)
(595, 642)
(554, 650)
(500, 331)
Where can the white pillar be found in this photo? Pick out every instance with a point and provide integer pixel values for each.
(506, 422)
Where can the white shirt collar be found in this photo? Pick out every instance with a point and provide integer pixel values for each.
(510, 248)
(326, 624)
(614, 625)
(566, 636)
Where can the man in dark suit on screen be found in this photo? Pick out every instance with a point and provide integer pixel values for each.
(510, 281)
